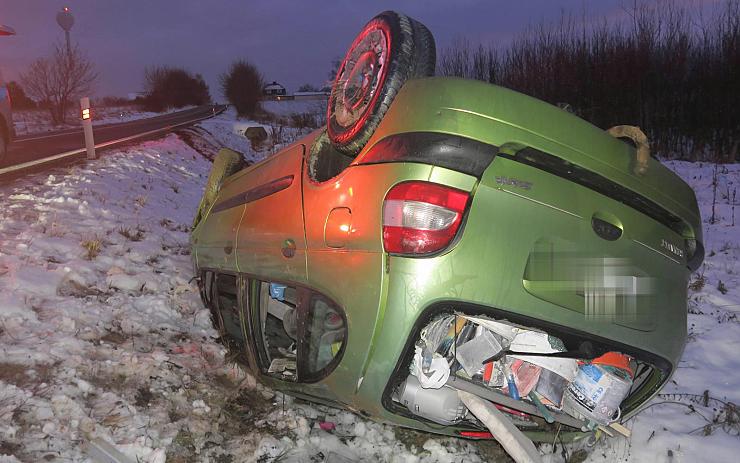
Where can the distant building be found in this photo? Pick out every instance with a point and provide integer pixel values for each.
(274, 89)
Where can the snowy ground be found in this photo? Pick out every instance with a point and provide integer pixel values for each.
(288, 107)
(103, 336)
(30, 121)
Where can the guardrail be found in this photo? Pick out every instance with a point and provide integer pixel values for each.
(14, 169)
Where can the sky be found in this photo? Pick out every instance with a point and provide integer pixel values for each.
(292, 42)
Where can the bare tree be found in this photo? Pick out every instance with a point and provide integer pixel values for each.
(59, 80)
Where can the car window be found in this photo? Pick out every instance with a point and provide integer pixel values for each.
(300, 334)
(278, 329)
(326, 331)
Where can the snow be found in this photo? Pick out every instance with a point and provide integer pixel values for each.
(287, 107)
(103, 335)
(673, 426)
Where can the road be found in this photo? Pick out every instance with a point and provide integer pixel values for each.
(26, 151)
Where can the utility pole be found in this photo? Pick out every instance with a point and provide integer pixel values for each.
(66, 21)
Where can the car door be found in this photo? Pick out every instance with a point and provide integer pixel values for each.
(345, 260)
(270, 240)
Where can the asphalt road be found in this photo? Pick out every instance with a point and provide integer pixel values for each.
(31, 148)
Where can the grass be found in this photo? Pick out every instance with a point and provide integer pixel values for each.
(698, 284)
(136, 234)
(92, 248)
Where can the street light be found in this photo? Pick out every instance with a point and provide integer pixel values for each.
(66, 21)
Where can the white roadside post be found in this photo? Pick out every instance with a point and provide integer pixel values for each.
(87, 127)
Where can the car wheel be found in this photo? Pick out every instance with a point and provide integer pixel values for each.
(226, 163)
(391, 49)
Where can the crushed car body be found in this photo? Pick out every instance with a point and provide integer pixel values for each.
(475, 240)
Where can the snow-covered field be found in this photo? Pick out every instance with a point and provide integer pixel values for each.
(30, 121)
(103, 336)
(288, 107)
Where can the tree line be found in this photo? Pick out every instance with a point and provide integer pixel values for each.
(669, 70)
(55, 83)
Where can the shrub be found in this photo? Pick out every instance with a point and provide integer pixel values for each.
(18, 96)
(673, 72)
(171, 87)
(242, 86)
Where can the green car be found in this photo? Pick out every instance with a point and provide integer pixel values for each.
(467, 202)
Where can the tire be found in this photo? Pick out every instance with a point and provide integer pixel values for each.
(391, 49)
(226, 163)
(425, 56)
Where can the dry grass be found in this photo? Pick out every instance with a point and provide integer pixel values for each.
(136, 234)
(698, 284)
(92, 248)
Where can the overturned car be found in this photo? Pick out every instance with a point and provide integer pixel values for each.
(444, 235)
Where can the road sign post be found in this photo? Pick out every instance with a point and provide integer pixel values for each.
(86, 116)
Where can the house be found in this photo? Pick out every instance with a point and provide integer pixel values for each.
(273, 89)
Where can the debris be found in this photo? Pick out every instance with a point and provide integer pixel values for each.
(436, 372)
(597, 392)
(538, 403)
(525, 376)
(327, 425)
(282, 365)
(503, 430)
(621, 429)
(511, 382)
(551, 386)
(101, 451)
(441, 405)
(472, 354)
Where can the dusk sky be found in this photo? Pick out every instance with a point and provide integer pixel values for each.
(291, 41)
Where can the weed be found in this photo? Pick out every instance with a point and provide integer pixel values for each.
(699, 283)
(132, 235)
(143, 397)
(141, 201)
(93, 247)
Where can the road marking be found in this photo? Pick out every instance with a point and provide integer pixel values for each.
(37, 162)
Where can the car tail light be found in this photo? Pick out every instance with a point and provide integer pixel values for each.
(421, 217)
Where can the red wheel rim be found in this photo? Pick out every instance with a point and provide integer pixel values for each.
(360, 79)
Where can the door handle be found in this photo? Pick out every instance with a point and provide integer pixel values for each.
(288, 248)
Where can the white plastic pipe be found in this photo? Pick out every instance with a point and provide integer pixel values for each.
(516, 444)
(101, 451)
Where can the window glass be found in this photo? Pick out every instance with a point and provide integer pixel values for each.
(325, 333)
